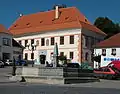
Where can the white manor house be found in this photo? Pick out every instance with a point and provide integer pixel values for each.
(67, 27)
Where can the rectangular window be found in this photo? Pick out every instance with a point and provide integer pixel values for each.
(26, 41)
(42, 41)
(104, 52)
(32, 41)
(6, 41)
(72, 39)
(61, 53)
(113, 52)
(26, 56)
(32, 55)
(92, 41)
(62, 40)
(52, 41)
(71, 55)
(86, 41)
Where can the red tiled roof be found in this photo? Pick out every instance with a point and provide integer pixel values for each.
(110, 42)
(45, 21)
(3, 29)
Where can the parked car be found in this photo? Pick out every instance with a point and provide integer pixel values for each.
(107, 73)
(21, 62)
(1, 64)
(72, 65)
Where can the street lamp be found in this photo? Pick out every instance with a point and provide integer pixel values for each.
(14, 68)
(32, 48)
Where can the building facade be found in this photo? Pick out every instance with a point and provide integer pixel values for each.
(72, 32)
(5, 44)
(109, 50)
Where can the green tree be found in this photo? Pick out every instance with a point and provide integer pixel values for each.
(63, 59)
(107, 26)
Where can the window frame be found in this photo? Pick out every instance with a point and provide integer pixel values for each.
(112, 50)
(6, 42)
(71, 55)
(26, 41)
(71, 39)
(32, 41)
(42, 41)
(104, 52)
(52, 41)
(61, 40)
(61, 53)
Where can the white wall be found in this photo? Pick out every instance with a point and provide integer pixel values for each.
(66, 48)
(98, 51)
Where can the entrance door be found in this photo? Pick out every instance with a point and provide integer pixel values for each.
(42, 59)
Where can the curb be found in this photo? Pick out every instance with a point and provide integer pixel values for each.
(8, 82)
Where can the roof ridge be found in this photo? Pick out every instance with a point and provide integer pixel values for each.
(48, 11)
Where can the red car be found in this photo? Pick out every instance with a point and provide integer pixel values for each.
(115, 64)
(107, 73)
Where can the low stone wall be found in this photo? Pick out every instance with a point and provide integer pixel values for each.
(40, 72)
(56, 75)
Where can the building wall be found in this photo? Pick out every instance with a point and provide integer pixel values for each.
(79, 43)
(48, 49)
(3, 48)
(89, 38)
(17, 52)
(105, 60)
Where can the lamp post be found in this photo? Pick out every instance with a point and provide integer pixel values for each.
(32, 48)
(14, 68)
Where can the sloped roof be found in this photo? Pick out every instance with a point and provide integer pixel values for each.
(3, 29)
(45, 21)
(16, 44)
(110, 42)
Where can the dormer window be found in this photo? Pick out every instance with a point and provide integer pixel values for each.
(104, 52)
(53, 19)
(113, 52)
(28, 24)
(41, 21)
(85, 20)
(15, 25)
(66, 18)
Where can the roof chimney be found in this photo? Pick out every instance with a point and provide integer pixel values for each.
(56, 12)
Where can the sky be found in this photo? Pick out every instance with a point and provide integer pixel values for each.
(10, 9)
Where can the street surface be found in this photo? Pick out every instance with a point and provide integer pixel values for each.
(53, 89)
(103, 87)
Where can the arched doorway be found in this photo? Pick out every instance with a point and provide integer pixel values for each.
(42, 59)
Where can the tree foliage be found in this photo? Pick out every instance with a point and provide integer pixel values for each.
(62, 58)
(107, 26)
